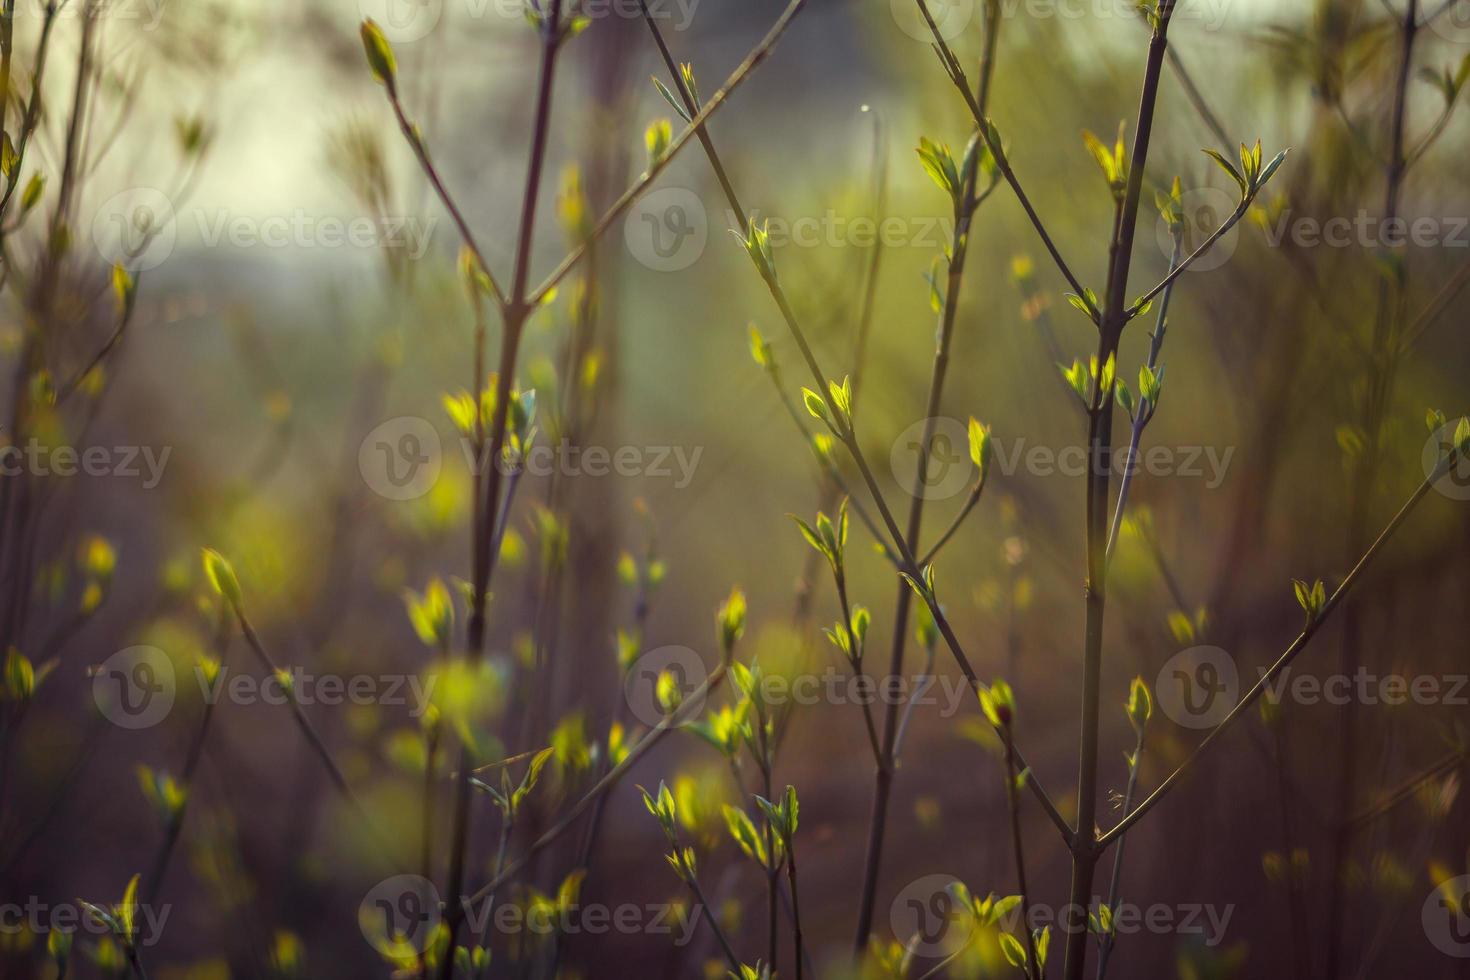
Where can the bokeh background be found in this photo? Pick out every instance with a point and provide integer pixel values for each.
(268, 360)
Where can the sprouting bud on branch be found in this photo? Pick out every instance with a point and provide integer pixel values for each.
(380, 55)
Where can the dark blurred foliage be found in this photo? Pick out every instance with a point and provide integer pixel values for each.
(264, 372)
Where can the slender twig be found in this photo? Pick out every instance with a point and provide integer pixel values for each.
(514, 315)
(154, 881)
(1179, 269)
(1407, 791)
(1108, 938)
(569, 819)
(1381, 372)
(977, 110)
(1283, 662)
(709, 913)
(795, 909)
(965, 206)
(1013, 805)
(1441, 302)
(1085, 851)
(959, 520)
(711, 106)
(1142, 418)
(308, 730)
